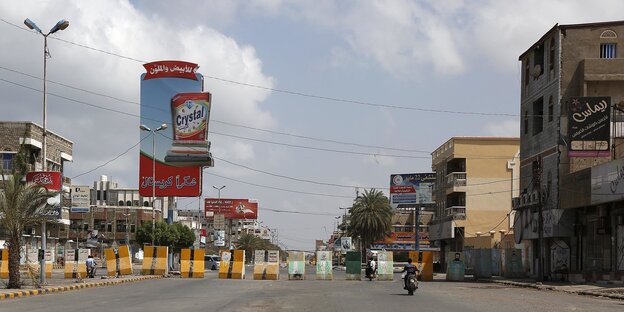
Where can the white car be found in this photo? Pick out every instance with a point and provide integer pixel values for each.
(211, 262)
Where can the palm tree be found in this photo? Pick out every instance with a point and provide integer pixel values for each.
(371, 217)
(248, 243)
(20, 205)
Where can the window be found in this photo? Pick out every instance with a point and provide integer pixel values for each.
(7, 161)
(99, 195)
(526, 122)
(129, 203)
(551, 55)
(146, 204)
(121, 203)
(607, 50)
(550, 109)
(538, 118)
(538, 61)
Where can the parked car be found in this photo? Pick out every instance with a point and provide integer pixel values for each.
(212, 262)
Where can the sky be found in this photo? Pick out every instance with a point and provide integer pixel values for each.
(312, 100)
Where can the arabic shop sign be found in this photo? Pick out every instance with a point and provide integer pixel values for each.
(588, 120)
(163, 69)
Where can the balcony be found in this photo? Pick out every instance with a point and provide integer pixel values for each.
(602, 69)
(456, 212)
(456, 182)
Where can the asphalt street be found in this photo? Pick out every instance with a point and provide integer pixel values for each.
(212, 294)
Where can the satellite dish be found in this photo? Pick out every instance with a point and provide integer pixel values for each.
(537, 70)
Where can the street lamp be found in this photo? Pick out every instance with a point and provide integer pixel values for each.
(145, 128)
(62, 24)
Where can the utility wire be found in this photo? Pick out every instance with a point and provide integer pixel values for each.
(302, 94)
(111, 160)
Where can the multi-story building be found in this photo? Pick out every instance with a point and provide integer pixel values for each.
(473, 190)
(17, 134)
(569, 213)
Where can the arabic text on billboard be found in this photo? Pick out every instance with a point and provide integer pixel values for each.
(589, 126)
(231, 208)
(409, 190)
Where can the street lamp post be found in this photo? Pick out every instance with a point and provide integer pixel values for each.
(145, 128)
(229, 225)
(61, 25)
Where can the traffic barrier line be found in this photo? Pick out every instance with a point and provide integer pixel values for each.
(58, 289)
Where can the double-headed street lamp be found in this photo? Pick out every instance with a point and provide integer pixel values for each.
(145, 128)
(62, 24)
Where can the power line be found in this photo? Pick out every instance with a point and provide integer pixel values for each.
(280, 189)
(296, 93)
(111, 160)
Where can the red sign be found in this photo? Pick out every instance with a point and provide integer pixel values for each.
(177, 69)
(399, 238)
(231, 208)
(402, 189)
(50, 180)
(170, 180)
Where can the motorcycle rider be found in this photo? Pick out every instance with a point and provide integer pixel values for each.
(372, 266)
(408, 269)
(90, 266)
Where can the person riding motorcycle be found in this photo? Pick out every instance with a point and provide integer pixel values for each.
(408, 269)
(371, 267)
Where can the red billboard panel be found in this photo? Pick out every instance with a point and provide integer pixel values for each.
(178, 69)
(50, 180)
(231, 208)
(170, 180)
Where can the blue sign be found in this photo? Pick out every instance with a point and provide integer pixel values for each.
(79, 209)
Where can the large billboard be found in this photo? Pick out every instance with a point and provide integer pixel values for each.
(589, 126)
(172, 94)
(411, 189)
(51, 181)
(230, 208)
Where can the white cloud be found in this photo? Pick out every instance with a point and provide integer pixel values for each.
(508, 128)
(118, 27)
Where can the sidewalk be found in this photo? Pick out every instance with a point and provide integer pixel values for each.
(613, 291)
(59, 284)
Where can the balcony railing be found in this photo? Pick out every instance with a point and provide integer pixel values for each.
(456, 212)
(456, 179)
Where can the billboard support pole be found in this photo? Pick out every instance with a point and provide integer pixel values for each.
(417, 228)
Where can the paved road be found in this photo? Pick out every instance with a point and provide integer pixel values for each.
(211, 294)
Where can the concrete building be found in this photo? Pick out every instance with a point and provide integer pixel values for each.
(473, 191)
(566, 171)
(13, 135)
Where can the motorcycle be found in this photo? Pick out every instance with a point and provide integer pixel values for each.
(370, 273)
(91, 272)
(412, 283)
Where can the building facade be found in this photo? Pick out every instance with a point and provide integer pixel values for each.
(564, 225)
(473, 190)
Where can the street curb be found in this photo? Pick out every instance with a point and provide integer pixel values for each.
(547, 287)
(58, 289)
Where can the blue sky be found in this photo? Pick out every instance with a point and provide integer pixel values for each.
(456, 56)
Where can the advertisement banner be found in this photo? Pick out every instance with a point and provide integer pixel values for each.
(231, 208)
(51, 181)
(606, 181)
(219, 238)
(589, 121)
(411, 189)
(345, 244)
(80, 198)
(172, 92)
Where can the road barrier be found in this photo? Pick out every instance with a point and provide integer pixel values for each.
(353, 261)
(232, 265)
(424, 262)
(75, 263)
(266, 265)
(192, 263)
(118, 261)
(154, 260)
(324, 265)
(296, 265)
(385, 266)
(4, 263)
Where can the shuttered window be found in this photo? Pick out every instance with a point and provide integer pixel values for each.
(607, 50)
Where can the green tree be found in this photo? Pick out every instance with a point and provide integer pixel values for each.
(20, 206)
(248, 243)
(176, 236)
(371, 218)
